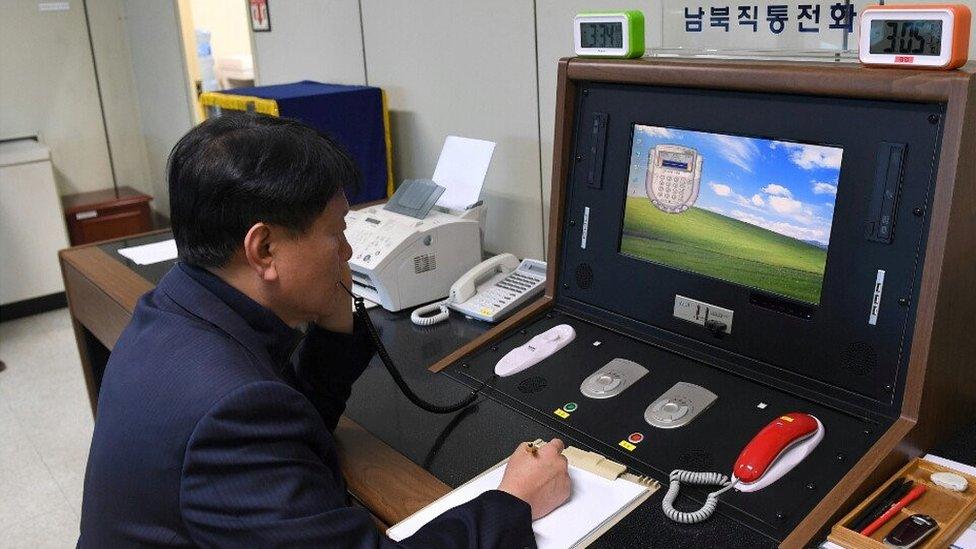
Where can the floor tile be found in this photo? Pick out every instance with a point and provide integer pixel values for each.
(27, 488)
(55, 528)
(45, 429)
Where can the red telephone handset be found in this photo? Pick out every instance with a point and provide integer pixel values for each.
(773, 452)
(770, 442)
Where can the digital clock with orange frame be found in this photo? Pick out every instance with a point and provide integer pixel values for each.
(934, 36)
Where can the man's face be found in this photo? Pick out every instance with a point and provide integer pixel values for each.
(309, 265)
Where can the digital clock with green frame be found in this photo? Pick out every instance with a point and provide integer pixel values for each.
(609, 34)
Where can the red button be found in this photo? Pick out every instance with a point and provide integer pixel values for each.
(634, 438)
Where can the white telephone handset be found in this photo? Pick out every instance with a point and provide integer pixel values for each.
(489, 291)
(464, 288)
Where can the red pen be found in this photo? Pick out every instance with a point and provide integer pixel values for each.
(909, 497)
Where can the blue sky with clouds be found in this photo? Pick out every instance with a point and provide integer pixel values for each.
(785, 187)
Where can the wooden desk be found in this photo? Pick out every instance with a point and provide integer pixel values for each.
(102, 293)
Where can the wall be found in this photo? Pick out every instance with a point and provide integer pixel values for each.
(115, 73)
(311, 40)
(47, 87)
(164, 100)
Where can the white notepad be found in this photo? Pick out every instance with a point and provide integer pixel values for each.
(595, 503)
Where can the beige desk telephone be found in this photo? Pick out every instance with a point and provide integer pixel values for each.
(489, 291)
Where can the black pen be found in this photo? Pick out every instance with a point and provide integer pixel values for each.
(905, 487)
(899, 493)
(881, 504)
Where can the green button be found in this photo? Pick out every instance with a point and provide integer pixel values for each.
(570, 407)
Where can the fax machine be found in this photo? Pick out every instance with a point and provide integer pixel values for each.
(409, 251)
(400, 261)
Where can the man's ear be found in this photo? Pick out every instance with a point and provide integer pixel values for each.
(258, 244)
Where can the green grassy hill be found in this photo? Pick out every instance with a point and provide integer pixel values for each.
(722, 247)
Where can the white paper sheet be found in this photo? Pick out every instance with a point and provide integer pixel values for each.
(966, 540)
(461, 169)
(594, 501)
(968, 469)
(148, 254)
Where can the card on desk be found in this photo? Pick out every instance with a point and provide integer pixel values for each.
(596, 504)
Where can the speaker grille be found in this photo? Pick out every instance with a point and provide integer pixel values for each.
(532, 384)
(424, 263)
(584, 276)
(859, 358)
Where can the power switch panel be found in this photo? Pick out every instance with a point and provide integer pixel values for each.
(880, 223)
(611, 380)
(597, 140)
(679, 405)
(713, 317)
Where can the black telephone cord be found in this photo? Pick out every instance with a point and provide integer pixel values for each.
(395, 374)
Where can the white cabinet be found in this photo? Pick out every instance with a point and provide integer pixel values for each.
(31, 225)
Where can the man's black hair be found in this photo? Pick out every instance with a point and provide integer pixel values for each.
(237, 169)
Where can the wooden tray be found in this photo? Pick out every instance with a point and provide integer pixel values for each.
(954, 511)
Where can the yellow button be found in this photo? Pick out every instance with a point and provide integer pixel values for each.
(626, 445)
(485, 311)
(786, 418)
(561, 413)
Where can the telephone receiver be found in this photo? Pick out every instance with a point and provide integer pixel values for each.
(775, 450)
(464, 288)
(489, 291)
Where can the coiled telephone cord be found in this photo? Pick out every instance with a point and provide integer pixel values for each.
(418, 315)
(698, 478)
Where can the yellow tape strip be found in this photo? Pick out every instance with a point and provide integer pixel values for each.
(239, 102)
(389, 146)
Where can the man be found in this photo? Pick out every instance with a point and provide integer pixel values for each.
(215, 413)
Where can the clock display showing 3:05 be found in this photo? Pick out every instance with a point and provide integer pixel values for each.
(906, 37)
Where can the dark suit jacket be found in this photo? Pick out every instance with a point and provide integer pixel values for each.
(212, 430)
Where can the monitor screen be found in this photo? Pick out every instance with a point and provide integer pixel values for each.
(751, 211)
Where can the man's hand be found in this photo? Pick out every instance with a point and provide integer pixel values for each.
(338, 318)
(540, 479)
